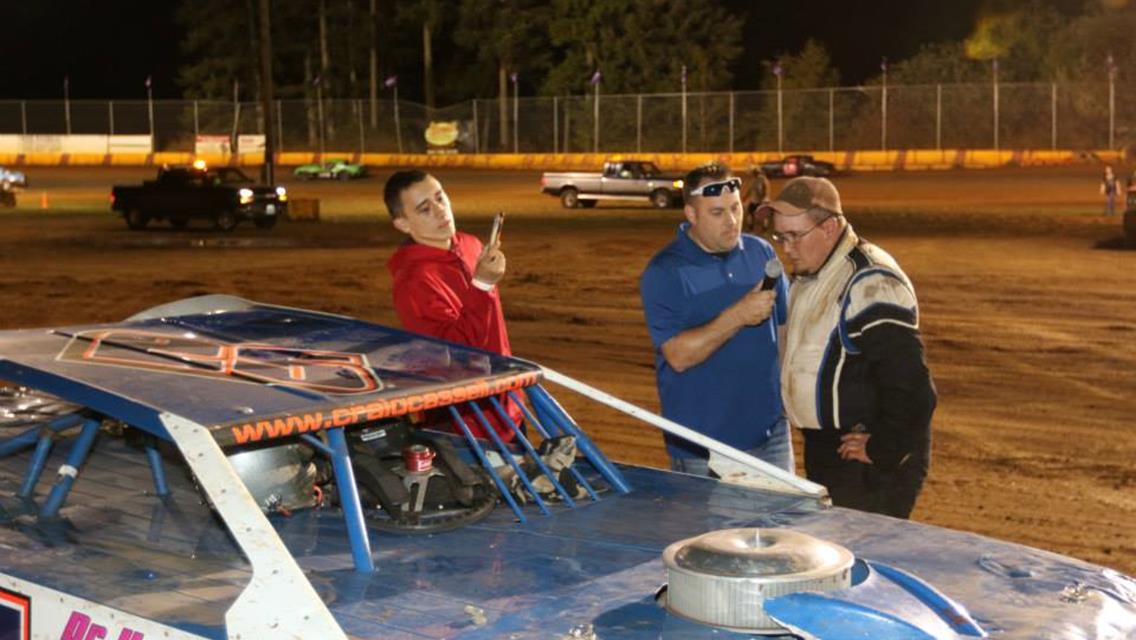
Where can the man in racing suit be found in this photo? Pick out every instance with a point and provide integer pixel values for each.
(853, 375)
(445, 281)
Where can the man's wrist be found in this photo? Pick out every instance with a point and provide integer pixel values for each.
(483, 285)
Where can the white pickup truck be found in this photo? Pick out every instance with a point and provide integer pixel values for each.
(623, 180)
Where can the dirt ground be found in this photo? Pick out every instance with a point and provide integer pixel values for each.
(1027, 300)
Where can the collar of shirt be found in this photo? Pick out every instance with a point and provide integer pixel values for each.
(691, 249)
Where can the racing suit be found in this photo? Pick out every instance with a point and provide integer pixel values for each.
(434, 294)
(854, 362)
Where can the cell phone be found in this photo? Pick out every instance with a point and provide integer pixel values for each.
(495, 230)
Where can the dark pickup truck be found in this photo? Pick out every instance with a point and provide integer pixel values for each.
(226, 196)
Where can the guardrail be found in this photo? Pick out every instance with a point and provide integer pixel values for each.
(898, 160)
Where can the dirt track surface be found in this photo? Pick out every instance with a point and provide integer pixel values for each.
(1027, 302)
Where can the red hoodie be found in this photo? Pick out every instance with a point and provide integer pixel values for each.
(434, 295)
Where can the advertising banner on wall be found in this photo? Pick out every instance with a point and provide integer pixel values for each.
(209, 144)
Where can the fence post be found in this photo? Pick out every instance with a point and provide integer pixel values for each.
(24, 117)
(516, 114)
(362, 142)
(476, 127)
(780, 116)
(196, 129)
(596, 121)
(638, 123)
(567, 125)
(279, 128)
(555, 124)
(731, 122)
(831, 120)
(1111, 103)
(995, 66)
(1053, 119)
(939, 116)
(110, 115)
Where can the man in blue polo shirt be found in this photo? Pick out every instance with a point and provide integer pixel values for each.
(716, 333)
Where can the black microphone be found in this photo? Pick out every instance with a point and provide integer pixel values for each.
(773, 271)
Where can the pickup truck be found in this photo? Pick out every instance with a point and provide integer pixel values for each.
(226, 196)
(627, 180)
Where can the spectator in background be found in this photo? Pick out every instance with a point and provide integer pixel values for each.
(756, 194)
(1109, 188)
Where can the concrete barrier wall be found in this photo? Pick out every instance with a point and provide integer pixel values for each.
(898, 160)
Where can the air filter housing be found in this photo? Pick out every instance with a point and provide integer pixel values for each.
(722, 578)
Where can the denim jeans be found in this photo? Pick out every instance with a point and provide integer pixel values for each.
(777, 451)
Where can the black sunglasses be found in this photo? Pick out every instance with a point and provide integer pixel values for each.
(715, 188)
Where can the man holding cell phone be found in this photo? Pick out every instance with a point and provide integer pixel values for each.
(715, 302)
(445, 280)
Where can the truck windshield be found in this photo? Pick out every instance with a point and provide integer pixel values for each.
(229, 175)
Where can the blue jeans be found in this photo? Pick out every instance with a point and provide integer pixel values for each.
(777, 451)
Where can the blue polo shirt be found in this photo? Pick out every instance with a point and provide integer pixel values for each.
(734, 395)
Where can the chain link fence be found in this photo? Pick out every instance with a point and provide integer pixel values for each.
(1007, 115)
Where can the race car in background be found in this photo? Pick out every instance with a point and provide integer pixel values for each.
(797, 165)
(336, 169)
(10, 182)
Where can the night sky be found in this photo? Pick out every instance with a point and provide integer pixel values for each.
(108, 47)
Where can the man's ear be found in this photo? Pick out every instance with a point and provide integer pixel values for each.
(401, 224)
(690, 213)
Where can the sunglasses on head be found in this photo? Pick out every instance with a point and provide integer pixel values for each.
(713, 189)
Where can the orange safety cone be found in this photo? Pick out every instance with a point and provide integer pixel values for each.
(42, 199)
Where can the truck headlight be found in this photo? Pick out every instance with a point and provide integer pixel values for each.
(677, 184)
(281, 194)
(246, 196)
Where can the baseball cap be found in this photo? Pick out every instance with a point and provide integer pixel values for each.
(802, 194)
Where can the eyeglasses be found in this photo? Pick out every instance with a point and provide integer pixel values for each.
(793, 237)
(715, 188)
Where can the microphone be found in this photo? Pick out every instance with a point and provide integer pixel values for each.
(773, 271)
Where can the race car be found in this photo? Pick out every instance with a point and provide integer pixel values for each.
(337, 169)
(217, 468)
(797, 165)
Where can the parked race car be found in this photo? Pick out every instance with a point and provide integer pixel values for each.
(337, 169)
(292, 494)
(798, 165)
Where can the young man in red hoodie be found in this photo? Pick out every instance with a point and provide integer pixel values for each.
(445, 281)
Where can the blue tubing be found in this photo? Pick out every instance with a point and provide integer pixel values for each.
(161, 489)
(25, 439)
(540, 428)
(594, 455)
(35, 468)
(504, 415)
(75, 459)
(488, 466)
(508, 456)
(349, 501)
